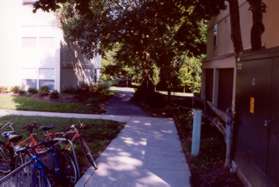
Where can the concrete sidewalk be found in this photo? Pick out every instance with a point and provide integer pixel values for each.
(146, 153)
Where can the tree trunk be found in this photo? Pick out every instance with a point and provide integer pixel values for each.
(257, 8)
(235, 26)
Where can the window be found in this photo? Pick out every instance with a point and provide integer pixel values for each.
(46, 73)
(29, 83)
(48, 83)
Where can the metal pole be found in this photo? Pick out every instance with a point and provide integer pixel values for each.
(196, 134)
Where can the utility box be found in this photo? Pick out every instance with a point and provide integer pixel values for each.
(257, 109)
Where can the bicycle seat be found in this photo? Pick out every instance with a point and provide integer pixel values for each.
(46, 128)
(19, 149)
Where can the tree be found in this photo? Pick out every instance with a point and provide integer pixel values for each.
(147, 32)
(235, 26)
(257, 8)
(190, 74)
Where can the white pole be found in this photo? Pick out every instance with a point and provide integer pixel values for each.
(196, 134)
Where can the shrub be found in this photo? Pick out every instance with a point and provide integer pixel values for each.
(93, 88)
(21, 92)
(70, 91)
(3, 89)
(43, 91)
(54, 94)
(15, 89)
(83, 88)
(32, 91)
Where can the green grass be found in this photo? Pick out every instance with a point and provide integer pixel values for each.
(98, 133)
(29, 103)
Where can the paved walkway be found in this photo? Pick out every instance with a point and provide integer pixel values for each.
(120, 103)
(146, 153)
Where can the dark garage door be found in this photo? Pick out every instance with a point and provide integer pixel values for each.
(258, 112)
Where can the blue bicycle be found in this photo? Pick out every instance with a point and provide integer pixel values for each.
(48, 167)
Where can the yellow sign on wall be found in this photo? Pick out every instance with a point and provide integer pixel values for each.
(252, 105)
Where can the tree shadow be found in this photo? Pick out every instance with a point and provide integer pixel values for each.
(146, 153)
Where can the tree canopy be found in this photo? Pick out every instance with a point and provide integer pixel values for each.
(146, 32)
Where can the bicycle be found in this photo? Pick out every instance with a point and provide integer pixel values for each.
(72, 134)
(67, 164)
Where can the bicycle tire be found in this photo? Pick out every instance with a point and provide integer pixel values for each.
(40, 179)
(69, 168)
(88, 153)
(6, 159)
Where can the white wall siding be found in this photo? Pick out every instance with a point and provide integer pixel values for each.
(30, 45)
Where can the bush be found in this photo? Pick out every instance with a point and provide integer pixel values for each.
(54, 95)
(21, 92)
(3, 89)
(32, 91)
(83, 88)
(70, 91)
(15, 89)
(93, 88)
(43, 91)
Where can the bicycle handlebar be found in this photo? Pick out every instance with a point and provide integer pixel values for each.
(8, 124)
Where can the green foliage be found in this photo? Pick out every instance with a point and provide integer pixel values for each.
(43, 91)
(190, 74)
(3, 89)
(32, 91)
(15, 89)
(29, 103)
(155, 74)
(138, 34)
(54, 94)
(21, 92)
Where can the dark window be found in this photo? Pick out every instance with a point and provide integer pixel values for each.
(48, 83)
(225, 90)
(30, 83)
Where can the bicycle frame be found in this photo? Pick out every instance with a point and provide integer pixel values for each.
(75, 135)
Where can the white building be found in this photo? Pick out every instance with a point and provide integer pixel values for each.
(34, 54)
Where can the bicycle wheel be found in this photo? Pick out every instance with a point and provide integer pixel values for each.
(85, 148)
(40, 179)
(69, 169)
(6, 159)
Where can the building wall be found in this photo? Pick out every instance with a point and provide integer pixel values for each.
(271, 34)
(220, 52)
(76, 69)
(40, 47)
(31, 50)
(221, 25)
(220, 28)
(30, 45)
(10, 45)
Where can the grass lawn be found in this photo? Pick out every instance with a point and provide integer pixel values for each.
(98, 133)
(29, 103)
